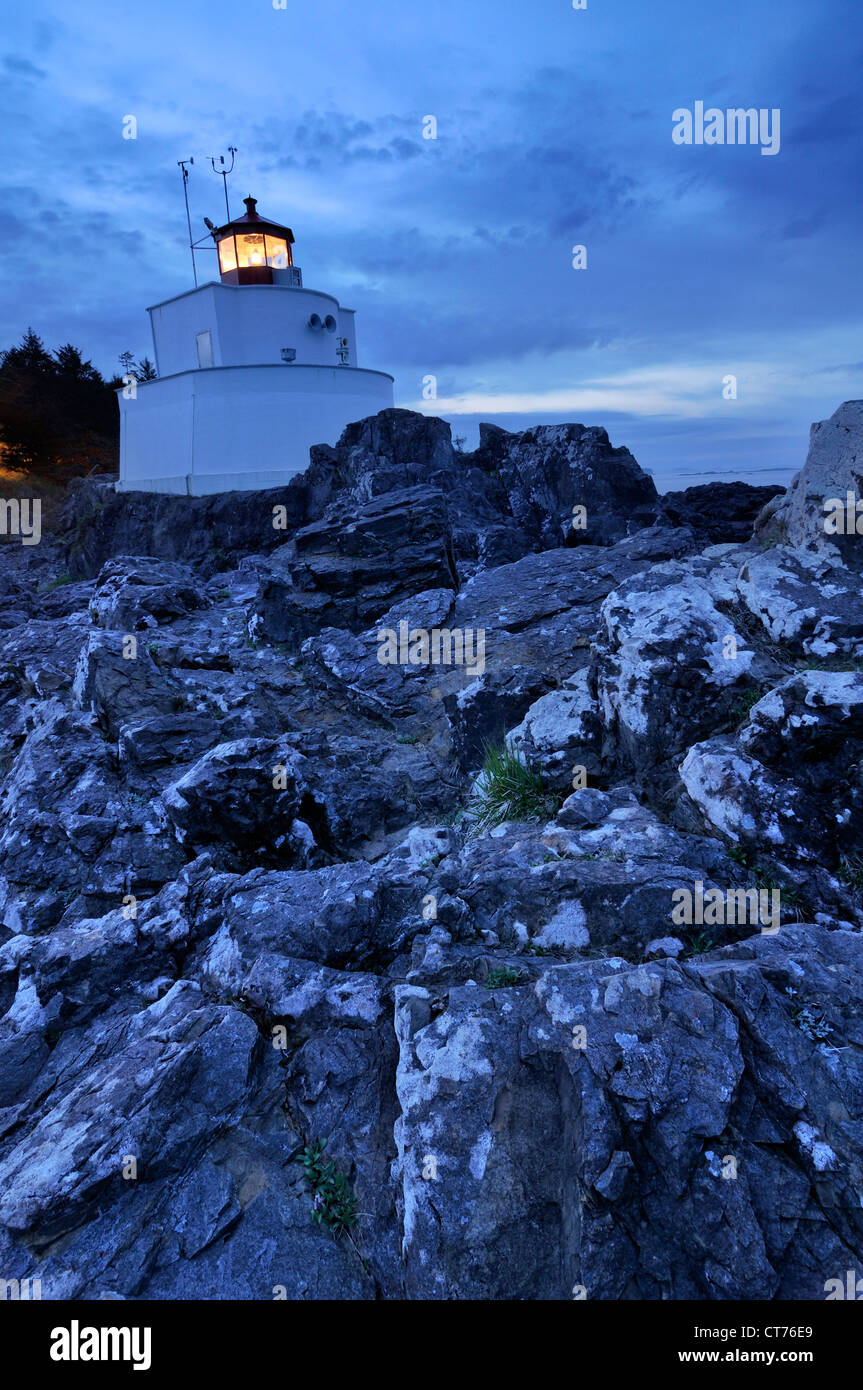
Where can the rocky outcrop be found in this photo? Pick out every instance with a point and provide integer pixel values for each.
(720, 512)
(553, 470)
(513, 495)
(823, 508)
(345, 571)
(791, 780)
(575, 1017)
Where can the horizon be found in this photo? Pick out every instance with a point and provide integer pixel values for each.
(703, 262)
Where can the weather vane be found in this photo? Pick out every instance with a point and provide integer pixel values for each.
(224, 172)
(182, 163)
(219, 166)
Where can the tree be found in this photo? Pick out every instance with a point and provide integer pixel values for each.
(56, 411)
(146, 370)
(70, 364)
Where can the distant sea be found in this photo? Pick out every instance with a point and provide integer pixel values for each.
(677, 479)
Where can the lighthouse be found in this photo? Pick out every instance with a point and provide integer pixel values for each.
(252, 369)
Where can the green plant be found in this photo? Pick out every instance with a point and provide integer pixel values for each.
(510, 790)
(746, 701)
(851, 871)
(836, 663)
(56, 583)
(789, 897)
(811, 1023)
(335, 1204)
(699, 944)
(741, 855)
(408, 738)
(502, 977)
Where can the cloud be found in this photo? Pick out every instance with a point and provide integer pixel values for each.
(22, 67)
(678, 390)
(553, 129)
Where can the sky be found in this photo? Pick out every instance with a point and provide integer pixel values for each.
(554, 129)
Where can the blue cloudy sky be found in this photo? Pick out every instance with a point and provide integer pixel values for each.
(553, 129)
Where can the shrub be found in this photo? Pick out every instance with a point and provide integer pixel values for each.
(811, 1023)
(335, 1204)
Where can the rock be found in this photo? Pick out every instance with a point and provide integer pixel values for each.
(481, 712)
(664, 946)
(114, 1102)
(212, 533)
(40, 657)
(549, 470)
(117, 680)
(609, 1046)
(720, 512)
(166, 739)
(258, 926)
(670, 666)
(791, 783)
(833, 468)
(807, 602)
(245, 795)
(562, 731)
(511, 1071)
(133, 592)
(343, 572)
(70, 842)
(301, 800)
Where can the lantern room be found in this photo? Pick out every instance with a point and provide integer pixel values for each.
(253, 251)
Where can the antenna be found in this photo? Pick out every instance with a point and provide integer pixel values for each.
(182, 164)
(220, 169)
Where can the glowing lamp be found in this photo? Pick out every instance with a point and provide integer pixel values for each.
(251, 248)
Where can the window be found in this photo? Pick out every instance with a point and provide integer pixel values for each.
(205, 349)
(277, 253)
(227, 254)
(251, 249)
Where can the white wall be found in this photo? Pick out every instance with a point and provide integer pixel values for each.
(249, 325)
(241, 427)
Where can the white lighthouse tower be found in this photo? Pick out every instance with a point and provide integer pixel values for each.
(252, 370)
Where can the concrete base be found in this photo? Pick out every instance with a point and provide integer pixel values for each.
(226, 429)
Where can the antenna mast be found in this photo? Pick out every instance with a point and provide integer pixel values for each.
(224, 173)
(182, 164)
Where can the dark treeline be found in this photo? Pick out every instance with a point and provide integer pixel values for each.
(58, 414)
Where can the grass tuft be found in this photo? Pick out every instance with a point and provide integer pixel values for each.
(510, 790)
(502, 977)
